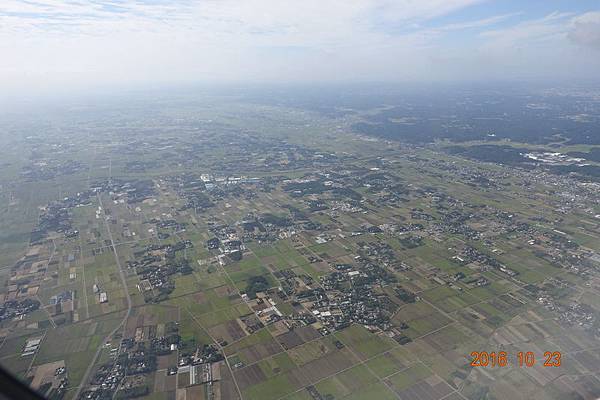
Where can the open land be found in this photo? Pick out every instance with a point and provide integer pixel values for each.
(220, 249)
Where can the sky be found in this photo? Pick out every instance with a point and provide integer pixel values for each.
(52, 44)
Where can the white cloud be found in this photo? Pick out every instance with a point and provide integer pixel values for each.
(525, 33)
(586, 30)
(418, 10)
(481, 23)
(66, 42)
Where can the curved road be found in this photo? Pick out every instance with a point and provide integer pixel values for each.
(112, 333)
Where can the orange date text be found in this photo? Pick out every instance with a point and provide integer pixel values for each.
(523, 359)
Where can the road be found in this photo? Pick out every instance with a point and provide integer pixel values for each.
(123, 321)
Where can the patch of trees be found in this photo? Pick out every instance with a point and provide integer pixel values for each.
(314, 187)
(297, 214)
(141, 361)
(256, 284)
(411, 242)
(403, 339)
(347, 193)
(412, 133)
(235, 255)
(211, 354)
(183, 267)
(250, 226)
(405, 295)
(316, 205)
(500, 154)
(163, 293)
(275, 220)
(591, 171)
(197, 200)
(592, 155)
(140, 190)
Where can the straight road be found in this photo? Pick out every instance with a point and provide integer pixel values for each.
(125, 317)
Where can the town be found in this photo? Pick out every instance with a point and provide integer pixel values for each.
(224, 264)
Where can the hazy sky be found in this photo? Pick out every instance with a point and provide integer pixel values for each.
(75, 43)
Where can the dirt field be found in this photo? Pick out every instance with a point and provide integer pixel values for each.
(249, 376)
(259, 351)
(324, 366)
(45, 373)
(229, 331)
